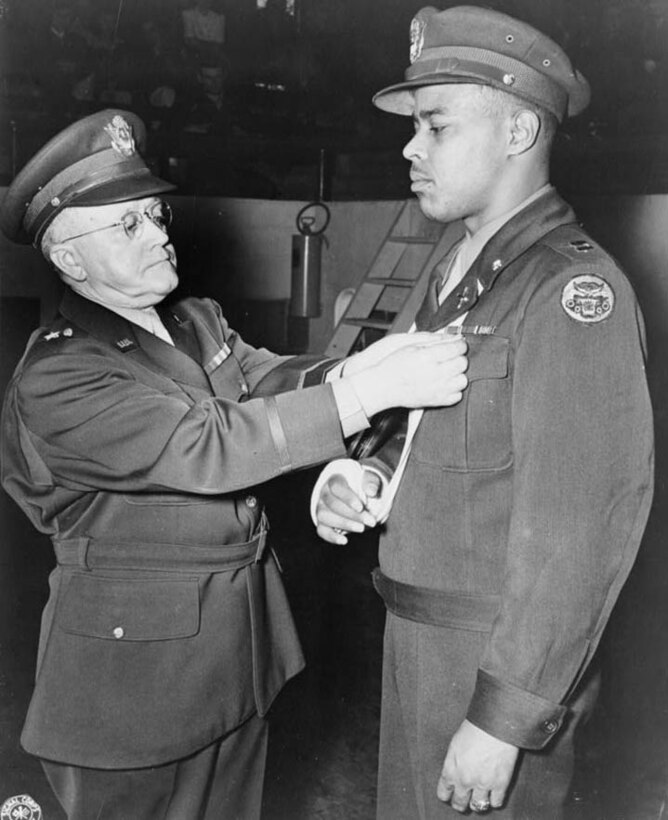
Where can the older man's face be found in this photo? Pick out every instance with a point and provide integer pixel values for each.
(124, 270)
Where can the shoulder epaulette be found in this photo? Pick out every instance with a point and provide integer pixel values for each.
(576, 244)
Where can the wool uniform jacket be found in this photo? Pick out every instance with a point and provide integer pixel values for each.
(524, 505)
(162, 632)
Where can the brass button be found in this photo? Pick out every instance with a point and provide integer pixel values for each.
(550, 726)
(118, 632)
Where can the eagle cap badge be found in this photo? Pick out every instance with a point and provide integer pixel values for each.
(417, 38)
(588, 299)
(120, 133)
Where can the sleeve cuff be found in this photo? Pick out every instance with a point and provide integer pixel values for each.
(318, 373)
(513, 714)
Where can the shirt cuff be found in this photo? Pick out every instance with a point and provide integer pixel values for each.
(512, 714)
(336, 372)
(351, 413)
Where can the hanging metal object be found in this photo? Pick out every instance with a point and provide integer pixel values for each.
(312, 221)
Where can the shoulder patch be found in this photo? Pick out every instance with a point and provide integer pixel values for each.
(588, 299)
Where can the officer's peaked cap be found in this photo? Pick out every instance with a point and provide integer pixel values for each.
(94, 161)
(471, 44)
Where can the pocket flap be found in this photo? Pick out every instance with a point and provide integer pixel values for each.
(488, 357)
(138, 609)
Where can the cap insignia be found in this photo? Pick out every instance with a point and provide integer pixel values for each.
(417, 38)
(588, 299)
(121, 136)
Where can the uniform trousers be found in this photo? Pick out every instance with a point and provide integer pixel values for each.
(429, 675)
(223, 781)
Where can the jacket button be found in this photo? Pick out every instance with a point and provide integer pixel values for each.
(550, 726)
(251, 501)
(118, 632)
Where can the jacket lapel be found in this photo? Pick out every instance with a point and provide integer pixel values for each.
(182, 332)
(132, 340)
(520, 233)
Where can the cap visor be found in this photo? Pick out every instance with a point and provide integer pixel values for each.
(398, 99)
(123, 189)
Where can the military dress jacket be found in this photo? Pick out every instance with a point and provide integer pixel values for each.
(167, 624)
(523, 506)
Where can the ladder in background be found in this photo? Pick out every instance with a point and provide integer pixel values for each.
(388, 297)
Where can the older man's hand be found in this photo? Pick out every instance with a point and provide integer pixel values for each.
(429, 372)
(377, 351)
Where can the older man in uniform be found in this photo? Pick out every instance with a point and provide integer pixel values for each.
(133, 434)
(517, 514)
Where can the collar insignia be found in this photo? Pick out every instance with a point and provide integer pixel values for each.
(121, 136)
(417, 38)
(126, 345)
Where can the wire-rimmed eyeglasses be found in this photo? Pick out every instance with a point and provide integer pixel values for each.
(132, 222)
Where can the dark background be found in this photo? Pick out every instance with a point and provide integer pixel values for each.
(296, 121)
(294, 86)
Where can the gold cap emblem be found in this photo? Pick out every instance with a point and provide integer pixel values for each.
(417, 38)
(121, 136)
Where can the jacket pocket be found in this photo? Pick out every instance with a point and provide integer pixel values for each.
(476, 433)
(488, 404)
(119, 609)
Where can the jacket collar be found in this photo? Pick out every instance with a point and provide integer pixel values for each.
(131, 340)
(523, 230)
(526, 228)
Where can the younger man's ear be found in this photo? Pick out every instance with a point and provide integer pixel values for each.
(524, 131)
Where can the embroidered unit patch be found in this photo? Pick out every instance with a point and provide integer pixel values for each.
(588, 299)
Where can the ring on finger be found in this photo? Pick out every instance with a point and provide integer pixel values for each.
(480, 805)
